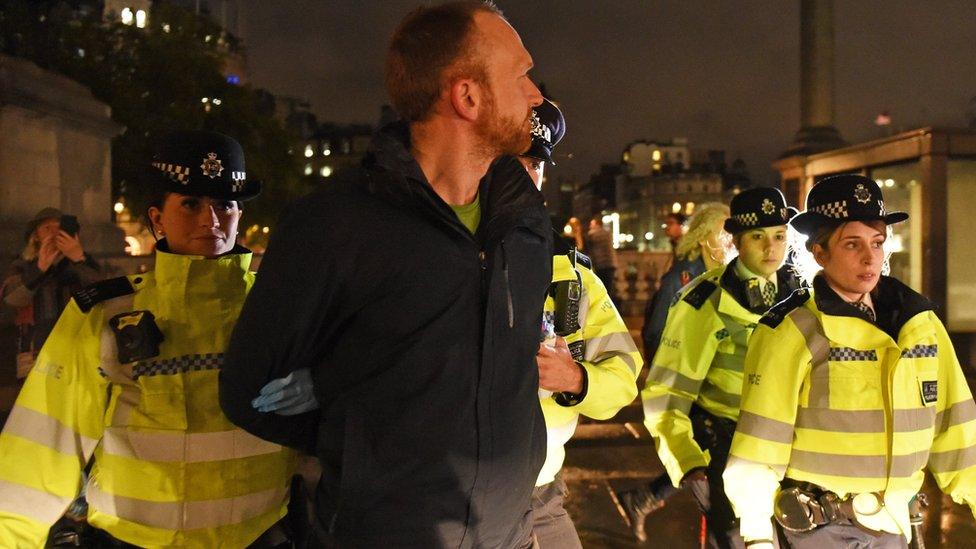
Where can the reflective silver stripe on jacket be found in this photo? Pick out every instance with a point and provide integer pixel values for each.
(187, 515)
(47, 431)
(819, 347)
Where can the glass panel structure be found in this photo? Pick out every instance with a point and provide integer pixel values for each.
(961, 256)
(902, 188)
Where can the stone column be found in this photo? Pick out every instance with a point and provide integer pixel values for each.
(817, 132)
(55, 150)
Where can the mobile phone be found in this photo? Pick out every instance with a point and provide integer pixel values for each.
(69, 224)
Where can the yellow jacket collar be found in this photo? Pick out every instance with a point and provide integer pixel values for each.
(199, 276)
(562, 269)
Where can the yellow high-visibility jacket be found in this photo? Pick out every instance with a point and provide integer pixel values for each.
(605, 349)
(832, 399)
(700, 360)
(169, 469)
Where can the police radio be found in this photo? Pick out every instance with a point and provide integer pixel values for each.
(567, 295)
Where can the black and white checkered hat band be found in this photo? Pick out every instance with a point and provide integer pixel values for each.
(238, 176)
(835, 210)
(746, 219)
(180, 174)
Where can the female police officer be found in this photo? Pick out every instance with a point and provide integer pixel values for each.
(850, 393)
(691, 399)
(129, 377)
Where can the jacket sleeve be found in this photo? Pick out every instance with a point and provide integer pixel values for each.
(776, 365)
(15, 291)
(677, 371)
(283, 326)
(952, 459)
(658, 313)
(85, 272)
(611, 359)
(52, 430)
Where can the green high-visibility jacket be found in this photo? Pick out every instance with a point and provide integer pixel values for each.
(608, 355)
(700, 360)
(833, 399)
(169, 468)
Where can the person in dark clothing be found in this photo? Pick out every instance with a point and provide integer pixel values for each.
(599, 246)
(674, 229)
(422, 354)
(703, 248)
(40, 282)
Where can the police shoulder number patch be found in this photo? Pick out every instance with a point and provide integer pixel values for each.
(697, 296)
(93, 294)
(775, 316)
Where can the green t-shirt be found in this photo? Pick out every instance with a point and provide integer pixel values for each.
(469, 214)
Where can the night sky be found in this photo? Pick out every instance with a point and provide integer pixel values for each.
(724, 74)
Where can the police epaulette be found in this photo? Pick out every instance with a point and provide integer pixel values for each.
(697, 296)
(584, 260)
(775, 316)
(93, 294)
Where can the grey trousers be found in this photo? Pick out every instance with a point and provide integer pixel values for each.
(844, 535)
(551, 525)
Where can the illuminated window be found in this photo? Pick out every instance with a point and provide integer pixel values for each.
(308, 169)
(326, 151)
(676, 207)
(126, 16)
(689, 208)
(326, 171)
(141, 19)
(308, 151)
(656, 155)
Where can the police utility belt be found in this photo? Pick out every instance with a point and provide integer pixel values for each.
(802, 507)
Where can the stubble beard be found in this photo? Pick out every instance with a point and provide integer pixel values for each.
(498, 136)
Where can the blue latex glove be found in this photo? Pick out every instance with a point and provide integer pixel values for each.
(288, 396)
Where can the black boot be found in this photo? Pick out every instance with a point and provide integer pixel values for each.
(637, 504)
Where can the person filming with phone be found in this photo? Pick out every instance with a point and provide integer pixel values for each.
(40, 281)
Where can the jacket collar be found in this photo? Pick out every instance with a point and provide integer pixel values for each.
(897, 307)
(750, 298)
(199, 277)
(504, 192)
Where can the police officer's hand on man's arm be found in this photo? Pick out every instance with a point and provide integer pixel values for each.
(558, 372)
(288, 396)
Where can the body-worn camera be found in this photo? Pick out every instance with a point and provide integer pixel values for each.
(136, 335)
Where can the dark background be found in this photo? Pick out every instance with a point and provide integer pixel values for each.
(725, 74)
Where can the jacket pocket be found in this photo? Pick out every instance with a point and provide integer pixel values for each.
(145, 406)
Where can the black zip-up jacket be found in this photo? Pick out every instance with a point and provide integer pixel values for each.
(422, 340)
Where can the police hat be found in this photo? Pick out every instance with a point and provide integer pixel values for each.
(202, 163)
(758, 208)
(548, 128)
(842, 198)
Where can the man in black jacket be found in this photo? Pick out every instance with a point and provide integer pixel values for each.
(412, 289)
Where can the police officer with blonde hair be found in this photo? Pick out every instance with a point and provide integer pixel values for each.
(691, 398)
(852, 391)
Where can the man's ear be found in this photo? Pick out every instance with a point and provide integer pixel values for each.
(467, 98)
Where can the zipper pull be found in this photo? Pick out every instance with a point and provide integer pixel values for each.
(481, 258)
